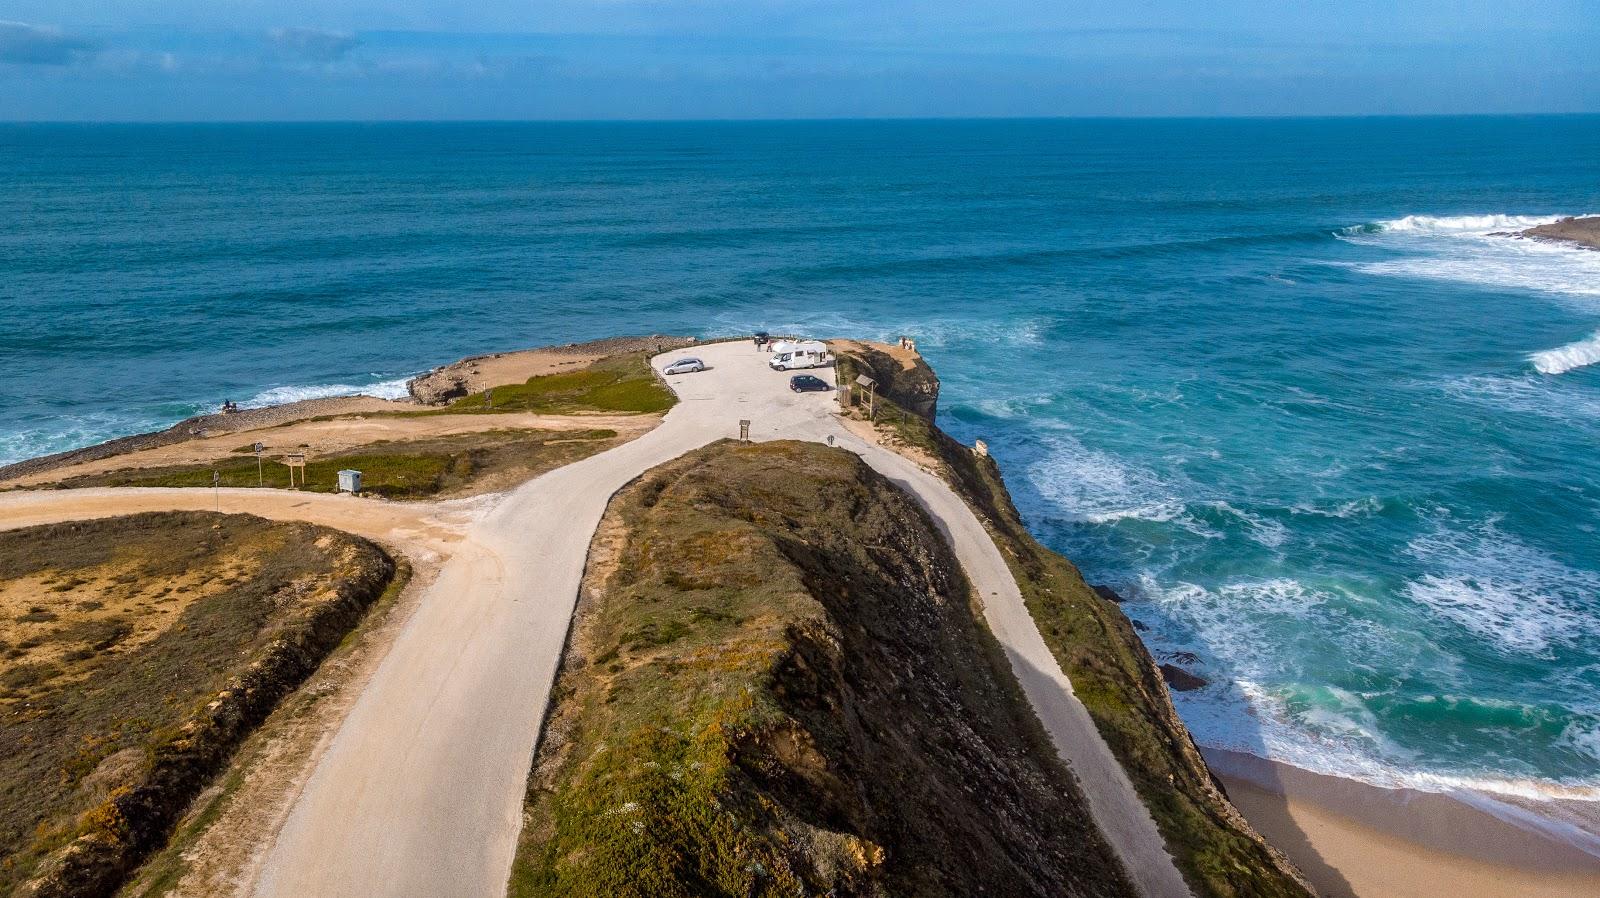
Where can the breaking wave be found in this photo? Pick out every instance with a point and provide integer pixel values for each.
(1513, 597)
(1565, 358)
(1455, 224)
(1478, 249)
(387, 389)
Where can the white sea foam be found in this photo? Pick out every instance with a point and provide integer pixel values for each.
(1354, 508)
(1453, 224)
(1584, 737)
(1565, 358)
(1256, 706)
(387, 389)
(1479, 249)
(1528, 393)
(1096, 487)
(75, 431)
(1262, 530)
(1512, 596)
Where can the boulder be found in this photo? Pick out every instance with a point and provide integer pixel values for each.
(1181, 680)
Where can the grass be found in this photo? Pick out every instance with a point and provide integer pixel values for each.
(165, 870)
(412, 470)
(622, 383)
(776, 685)
(1114, 676)
(903, 427)
(181, 633)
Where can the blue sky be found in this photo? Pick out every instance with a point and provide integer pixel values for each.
(647, 59)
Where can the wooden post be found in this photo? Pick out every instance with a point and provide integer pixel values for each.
(871, 386)
(296, 460)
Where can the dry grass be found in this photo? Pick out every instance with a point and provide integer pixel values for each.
(455, 465)
(139, 650)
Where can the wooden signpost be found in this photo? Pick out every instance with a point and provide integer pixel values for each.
(296, 461)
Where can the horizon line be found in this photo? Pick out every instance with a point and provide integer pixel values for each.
(806, 119)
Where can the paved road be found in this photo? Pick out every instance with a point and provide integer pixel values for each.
(420, 792)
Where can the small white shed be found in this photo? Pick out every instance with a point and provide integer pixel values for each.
(349, 481)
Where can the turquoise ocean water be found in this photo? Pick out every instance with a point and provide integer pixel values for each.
(1277, 381)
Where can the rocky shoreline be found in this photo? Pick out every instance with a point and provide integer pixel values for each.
(202, 426)
(1582, 231)
(435, 387)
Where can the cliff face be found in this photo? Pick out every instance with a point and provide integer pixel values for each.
(901, 375)
(776, 685)
(1112, 672)
(1124, 690)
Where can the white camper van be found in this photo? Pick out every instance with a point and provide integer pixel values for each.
(788, 356)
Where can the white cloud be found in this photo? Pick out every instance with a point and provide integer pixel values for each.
(24, 44)
(314, 43)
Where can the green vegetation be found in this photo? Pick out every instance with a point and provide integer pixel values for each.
(621, 383)
(903, 427)
(175, 635)
(776, 685)
(1118, 682)
(411, 470)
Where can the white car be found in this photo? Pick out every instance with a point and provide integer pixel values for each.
(685, 366)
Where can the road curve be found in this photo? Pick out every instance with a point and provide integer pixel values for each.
(420, 791)
(1116, 806)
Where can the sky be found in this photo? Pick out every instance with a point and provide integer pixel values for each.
(254, 60)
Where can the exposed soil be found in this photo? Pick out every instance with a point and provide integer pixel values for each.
(901, 375)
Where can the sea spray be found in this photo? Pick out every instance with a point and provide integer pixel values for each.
(1565, 358)
(387, 389)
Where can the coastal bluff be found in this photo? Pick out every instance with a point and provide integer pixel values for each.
(879, 612)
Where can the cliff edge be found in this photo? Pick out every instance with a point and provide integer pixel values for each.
(777, 684)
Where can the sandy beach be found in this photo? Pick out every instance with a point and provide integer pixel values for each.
(1353, 839)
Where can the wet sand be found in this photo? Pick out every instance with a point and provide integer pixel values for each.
(1352, 839)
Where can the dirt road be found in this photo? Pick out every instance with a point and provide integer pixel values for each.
(420, 792)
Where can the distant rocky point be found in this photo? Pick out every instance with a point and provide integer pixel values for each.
(1582, 231)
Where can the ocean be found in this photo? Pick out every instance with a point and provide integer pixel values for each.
(1280, 382)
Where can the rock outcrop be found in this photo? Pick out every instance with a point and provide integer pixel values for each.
(901, 375)
(476, 373)
(1582, 231)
